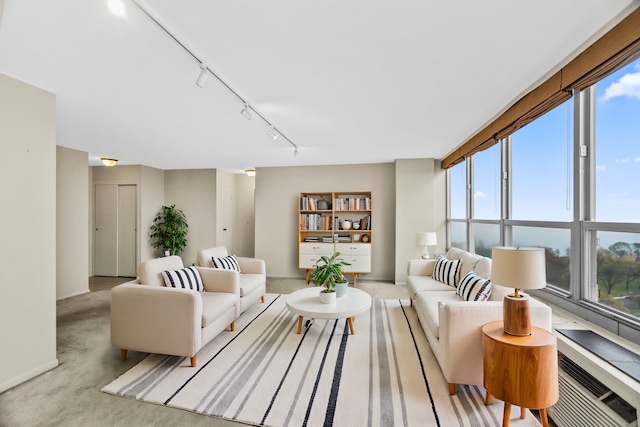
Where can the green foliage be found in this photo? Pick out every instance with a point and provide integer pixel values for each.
(169, 230)
(328, 272)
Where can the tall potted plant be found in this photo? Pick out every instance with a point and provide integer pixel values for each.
(169, 230)
(328, 273)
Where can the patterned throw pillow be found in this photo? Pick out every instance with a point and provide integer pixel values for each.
(446, 271)
(226, 263)
(186, 278)
(474, 288)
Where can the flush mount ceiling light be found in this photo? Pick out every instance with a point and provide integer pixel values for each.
(109, 162)
(204, 75)
(250, 172)
(246, 113)
(116, 7)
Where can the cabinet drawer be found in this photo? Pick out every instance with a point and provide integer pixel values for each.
(308, 260)
(353, 248)
(316, 249)
(359, 263)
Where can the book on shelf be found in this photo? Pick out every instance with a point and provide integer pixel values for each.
(349, 203)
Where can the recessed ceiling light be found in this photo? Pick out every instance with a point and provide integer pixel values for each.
(116, 7)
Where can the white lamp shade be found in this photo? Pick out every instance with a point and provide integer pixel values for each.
(426, 238)
(520, 268)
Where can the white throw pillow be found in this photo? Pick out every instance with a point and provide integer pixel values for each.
(186, 278)
(474, 288)
(446, 271)
(226, 263)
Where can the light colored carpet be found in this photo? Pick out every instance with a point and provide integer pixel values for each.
(266, 374)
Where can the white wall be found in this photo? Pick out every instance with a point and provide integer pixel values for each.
(420, 206)
(28, 215)
(72, 206)
(194, 192)
(276, 212)
(151, 200)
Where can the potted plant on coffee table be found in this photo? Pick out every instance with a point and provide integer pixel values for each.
(328, 273)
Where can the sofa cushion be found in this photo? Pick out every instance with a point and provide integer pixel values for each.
(150, 272)
(483, 267)
(446, 271)
(226, 263)
(417, 284)
(204, 256)
(429, 302)
(469, 262)
(185, 278)
(215, 304)
(250, 282)
(474, 288)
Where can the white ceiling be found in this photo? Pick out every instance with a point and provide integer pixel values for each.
(346, 81)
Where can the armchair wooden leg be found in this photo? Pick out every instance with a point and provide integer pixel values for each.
(262, 298)
(232, 326)
(410, 302)
(123, 354)
(193, 361)
(452, 388)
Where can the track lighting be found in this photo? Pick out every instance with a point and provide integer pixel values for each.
(108, 162)
(272, 133)
(204, 75)
(246, 113)
(295, 151)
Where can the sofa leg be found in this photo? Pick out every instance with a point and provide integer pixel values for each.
(262, 298)
(123, 354)
(410, 302)
(193, 361)
(232, 326)
(452, 388)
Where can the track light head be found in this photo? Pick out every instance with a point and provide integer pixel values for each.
(204, 75)
(272, 133)
(296, 152)
(246, 113)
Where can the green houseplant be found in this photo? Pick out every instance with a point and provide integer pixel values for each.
(169, 230)
(328, 273)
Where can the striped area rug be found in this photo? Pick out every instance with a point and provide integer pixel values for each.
(264, 373)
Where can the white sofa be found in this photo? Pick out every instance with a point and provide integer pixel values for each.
(150, 317)
(252, 279)
(452, 325)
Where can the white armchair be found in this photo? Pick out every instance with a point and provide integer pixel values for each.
(147, 316)
(251, 280)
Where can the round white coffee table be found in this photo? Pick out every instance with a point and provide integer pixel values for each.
(306, 303)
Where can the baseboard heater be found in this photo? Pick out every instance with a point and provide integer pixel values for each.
(586, 401)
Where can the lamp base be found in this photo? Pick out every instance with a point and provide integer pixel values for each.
(515, 315)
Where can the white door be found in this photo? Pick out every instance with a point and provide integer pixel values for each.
(105, 260)
(225, 235)
(127, 231)
(115, 230)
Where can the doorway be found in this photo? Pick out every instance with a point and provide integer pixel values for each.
(115, 234)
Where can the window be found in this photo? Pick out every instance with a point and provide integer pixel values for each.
(486, 184)
(541, 167)
(485, 237)
(458, 190)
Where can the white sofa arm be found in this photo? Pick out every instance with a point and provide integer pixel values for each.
(421, 267)
(460, 332)
(218, 280)
(252, 266)
(156, 319)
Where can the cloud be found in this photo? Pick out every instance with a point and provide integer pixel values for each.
(636, 159)
(601, 168)
(625, 160)
(479, 195)
(628, 85)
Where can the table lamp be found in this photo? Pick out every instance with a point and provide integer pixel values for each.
(519, 268)
(426, 238)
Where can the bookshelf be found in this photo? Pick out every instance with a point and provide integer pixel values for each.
(335, 222)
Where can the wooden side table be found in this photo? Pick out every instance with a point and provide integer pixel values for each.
(522, 371)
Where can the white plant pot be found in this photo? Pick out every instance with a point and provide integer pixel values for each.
(327, 297)
(341, 289)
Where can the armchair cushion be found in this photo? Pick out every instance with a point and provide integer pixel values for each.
(185, 278)
(474, 288)
(446, 271)
(215, 305)
(226, 263)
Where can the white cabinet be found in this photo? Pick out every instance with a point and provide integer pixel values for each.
(356, 254)
(311, 252)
